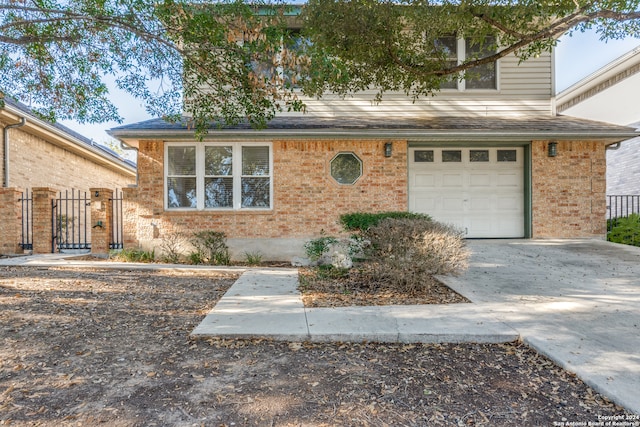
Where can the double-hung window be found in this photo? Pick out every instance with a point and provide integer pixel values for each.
(235, 176)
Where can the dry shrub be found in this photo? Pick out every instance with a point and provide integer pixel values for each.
(408, 252)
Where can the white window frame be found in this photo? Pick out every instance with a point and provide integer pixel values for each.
(236, 175)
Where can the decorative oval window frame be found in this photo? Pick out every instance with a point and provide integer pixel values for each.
(355, 156)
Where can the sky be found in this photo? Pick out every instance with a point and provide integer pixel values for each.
(577, 57)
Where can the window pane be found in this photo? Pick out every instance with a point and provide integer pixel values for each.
(182, 160)
(484, 76)
(451, 156)
(506, 155)
(479, 155)
(218, 161)
(423, 156)
(255, 193)
(181, 192)
(218, 192)
(255, 161)
(447, 46)
(346, 168)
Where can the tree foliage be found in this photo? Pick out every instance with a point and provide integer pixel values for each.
(393, 45)
(235, 61)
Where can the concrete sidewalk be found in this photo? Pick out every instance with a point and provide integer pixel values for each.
(267, 304)
(574, 301)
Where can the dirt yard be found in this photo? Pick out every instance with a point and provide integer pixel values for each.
(111, 348)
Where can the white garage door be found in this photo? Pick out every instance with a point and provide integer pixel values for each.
(480, 190)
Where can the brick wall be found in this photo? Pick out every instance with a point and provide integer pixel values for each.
(35, 162)
(306, 200)
(10, 220)
(568, 191)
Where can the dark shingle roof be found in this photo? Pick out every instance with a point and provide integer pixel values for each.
(308, 125)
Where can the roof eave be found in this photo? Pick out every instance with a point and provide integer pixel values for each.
(131, 137)
(69, 142)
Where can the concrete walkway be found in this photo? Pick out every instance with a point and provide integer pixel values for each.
(577, 302)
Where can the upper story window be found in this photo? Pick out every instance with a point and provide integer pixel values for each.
(459, 50)
(218, 176)
(283, 68)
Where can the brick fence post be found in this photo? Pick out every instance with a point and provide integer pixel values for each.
(130, 217)
(43, 220)
(10, 220)
(101, 219)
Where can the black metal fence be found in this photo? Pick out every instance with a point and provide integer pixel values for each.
(116, 221)
(621, 206)
(26, 232)
(70, 218)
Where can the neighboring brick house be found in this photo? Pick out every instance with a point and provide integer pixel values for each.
(37, 154)
(611, 95)
(42, 154)
(490, 156)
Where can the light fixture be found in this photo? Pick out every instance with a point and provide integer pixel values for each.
(552, 149)
(388, 147)
(97, 194)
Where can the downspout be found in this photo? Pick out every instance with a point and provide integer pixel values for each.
(129, 148)
(5, 135)
(615, 146)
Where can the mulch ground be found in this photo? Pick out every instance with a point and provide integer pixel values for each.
(355, 288)
(111, 347)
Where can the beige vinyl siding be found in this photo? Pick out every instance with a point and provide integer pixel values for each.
(523, 89)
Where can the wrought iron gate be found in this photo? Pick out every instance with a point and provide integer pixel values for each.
(116, 221)
(26, 232)
(70, 221)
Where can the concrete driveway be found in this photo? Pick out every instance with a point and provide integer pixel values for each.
(576, 301)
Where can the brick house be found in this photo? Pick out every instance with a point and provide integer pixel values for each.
(36, 154)
(488, 155)
(43, 154)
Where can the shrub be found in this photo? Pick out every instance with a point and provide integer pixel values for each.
(171, 246)
(407, 252)
(625, 230)
(361, 221)
(210, 247)
(253, 258)
(316, 248)
(135, 255)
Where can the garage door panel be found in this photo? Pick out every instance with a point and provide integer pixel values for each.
(452, 204)
(510, 179)
(424, 180)
(481, 204)
(452, 180)
(509, 203)
(480, 179)
(425, 204)
(483, 198)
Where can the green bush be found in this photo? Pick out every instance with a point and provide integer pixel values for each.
(409, 251)
(315, 248)
(625, 230)
(210, 247)
(361, 221)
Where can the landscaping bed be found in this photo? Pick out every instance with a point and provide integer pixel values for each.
(111, 347)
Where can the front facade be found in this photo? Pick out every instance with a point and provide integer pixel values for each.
(495, 161)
